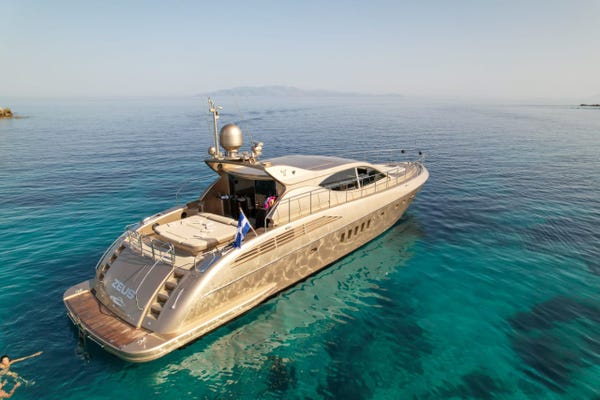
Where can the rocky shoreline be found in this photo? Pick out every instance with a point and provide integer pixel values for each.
(6, 113)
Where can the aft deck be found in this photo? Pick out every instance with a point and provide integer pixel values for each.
(91, 315)
(184, 243)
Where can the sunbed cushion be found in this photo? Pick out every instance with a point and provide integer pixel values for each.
(198, 232)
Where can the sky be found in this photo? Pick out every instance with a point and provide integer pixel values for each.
(511, 49)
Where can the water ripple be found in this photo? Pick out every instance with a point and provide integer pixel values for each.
(487, 288)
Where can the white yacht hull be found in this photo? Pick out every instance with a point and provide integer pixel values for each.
(212, 302)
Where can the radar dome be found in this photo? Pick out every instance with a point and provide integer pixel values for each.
(231, 138)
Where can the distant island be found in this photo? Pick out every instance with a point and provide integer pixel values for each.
(589, 105)
(286, 91)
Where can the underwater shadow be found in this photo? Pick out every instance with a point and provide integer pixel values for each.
(552, 357)
(257, 344)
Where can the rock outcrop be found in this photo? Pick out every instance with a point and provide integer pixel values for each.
(6, 113)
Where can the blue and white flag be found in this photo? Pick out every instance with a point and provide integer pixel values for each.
(242, 228)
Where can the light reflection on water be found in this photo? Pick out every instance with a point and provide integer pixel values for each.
(300, 314)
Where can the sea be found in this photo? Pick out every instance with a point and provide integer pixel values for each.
(487, 288)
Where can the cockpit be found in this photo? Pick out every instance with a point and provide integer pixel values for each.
(232, 193)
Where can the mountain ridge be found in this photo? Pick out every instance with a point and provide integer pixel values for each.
(288, 91)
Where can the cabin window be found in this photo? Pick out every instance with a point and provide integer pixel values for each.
(343, 180)
(343, 236)
(368, 175)
(352, 178)
(368, 224)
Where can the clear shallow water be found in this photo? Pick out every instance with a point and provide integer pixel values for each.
(487, 288)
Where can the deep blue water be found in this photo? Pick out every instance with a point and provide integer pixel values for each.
(488, 288)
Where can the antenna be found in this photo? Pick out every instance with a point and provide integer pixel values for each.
(214, 109)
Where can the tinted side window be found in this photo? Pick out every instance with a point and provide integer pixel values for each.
(368, 175)
(343, 180)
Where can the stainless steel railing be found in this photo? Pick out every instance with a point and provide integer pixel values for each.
(303, 204)
(382, 156)
(112, 248)
(156, 249)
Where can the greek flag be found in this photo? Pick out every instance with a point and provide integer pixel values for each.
(242, 228)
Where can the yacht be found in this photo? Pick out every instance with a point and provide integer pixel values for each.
(259, 227)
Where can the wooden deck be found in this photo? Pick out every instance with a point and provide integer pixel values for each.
(101, 322)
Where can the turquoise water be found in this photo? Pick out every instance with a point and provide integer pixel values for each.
(488, 288)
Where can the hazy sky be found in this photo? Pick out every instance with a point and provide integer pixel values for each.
(493, 49)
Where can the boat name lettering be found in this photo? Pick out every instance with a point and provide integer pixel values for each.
(120, 286)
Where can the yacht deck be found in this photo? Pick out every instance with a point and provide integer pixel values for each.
(94, 317)
(198, 233)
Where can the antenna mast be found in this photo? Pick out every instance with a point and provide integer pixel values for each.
(214, 109)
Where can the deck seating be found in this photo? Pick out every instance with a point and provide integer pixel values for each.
(199, 232)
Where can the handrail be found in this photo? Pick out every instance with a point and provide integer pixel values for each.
(137, 289)
(379, 156)
(202, 262)
(111, 248)
(165, 250)
(393, 177)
